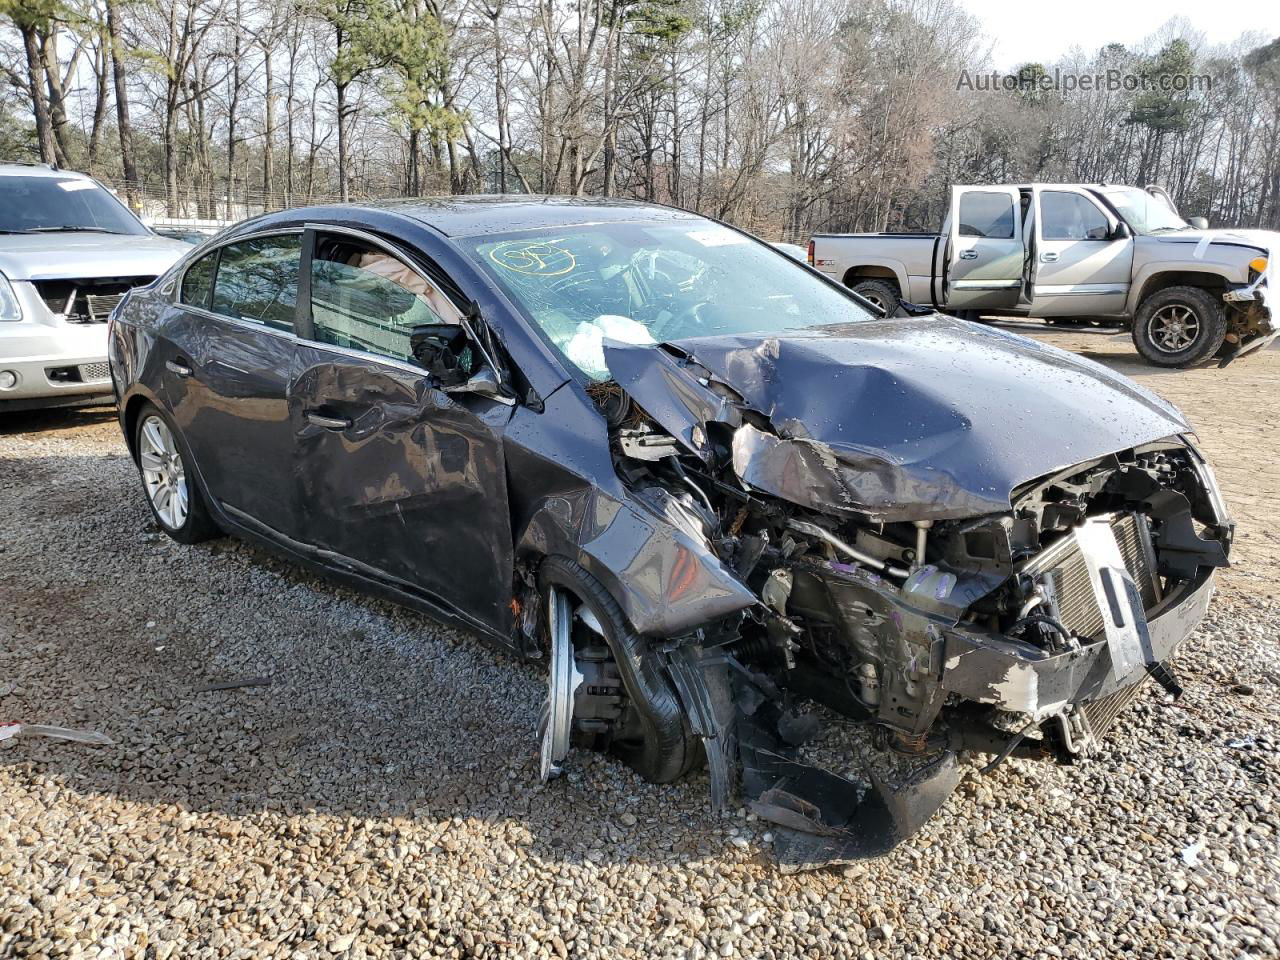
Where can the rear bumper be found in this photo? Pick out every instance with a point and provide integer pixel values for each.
(1021, 677)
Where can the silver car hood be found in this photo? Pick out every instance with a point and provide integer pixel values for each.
(52, 256)
(1265, 240)
(904, 419)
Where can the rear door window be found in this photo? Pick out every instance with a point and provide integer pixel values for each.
(258, 280)
(364, 298)
(987, 215)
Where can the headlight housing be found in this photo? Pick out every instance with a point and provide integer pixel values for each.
(9, 309)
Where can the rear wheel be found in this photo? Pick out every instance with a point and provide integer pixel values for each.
(880, 292)
(172, 493)
(1179, 326)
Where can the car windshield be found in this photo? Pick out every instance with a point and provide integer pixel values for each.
(1144, 212)
(654, 282)
(57, 204)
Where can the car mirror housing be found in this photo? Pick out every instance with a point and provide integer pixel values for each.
(1200, 223)
(444, 351)
(1121, 232)
(484, 383)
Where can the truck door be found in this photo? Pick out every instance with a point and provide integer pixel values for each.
(984, 258)
(1080, 265)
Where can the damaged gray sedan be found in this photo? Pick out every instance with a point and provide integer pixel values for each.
(703, 482)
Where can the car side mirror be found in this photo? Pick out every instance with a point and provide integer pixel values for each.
(484, 383)
(1200, 223)
(444, 352)
(1121, 232)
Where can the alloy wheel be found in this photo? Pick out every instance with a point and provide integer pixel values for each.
(1173, 328)
(563, 683)
(163, 473)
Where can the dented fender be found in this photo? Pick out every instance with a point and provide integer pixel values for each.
(659, 569)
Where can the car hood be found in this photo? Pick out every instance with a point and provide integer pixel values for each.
(51, 256)
(905, 419)
(1265, 240)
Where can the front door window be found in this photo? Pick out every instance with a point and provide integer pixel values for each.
(363, 298)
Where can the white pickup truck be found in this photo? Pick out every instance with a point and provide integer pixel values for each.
(1096, 251)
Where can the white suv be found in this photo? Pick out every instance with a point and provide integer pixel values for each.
(69, 252)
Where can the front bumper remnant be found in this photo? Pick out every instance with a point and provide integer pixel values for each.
(823, 818)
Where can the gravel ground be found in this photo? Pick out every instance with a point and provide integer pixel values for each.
(380, 796)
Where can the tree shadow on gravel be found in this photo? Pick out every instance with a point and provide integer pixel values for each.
(372, 712)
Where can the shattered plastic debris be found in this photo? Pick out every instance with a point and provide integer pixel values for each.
(10, 731)
(1191, 853)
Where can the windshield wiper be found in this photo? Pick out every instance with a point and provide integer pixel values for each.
(72, 228)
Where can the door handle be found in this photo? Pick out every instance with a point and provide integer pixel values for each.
(968, 254)
(329, 423)
(1048, 257)
(178, 367)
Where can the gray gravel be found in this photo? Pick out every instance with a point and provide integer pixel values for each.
(380, 797)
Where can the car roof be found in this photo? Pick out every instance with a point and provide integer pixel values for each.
(10, 168)
(480, 214)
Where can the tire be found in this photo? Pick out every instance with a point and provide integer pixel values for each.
(880, 292)
(1179, 327)
(662, 747)
(163, 459)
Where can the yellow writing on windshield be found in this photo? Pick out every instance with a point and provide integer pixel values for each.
(536, 258)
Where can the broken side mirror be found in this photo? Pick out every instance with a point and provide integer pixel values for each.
(1199, 223)
(444, 351)
(484, 383)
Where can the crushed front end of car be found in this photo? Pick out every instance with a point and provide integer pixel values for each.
(964, 540)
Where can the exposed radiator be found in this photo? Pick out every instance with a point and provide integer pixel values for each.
(101, 305)
(1067, 572)
(1101, 714)
(86, 299)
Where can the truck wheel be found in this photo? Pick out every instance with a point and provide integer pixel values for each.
(879, 292)
(1179, 326)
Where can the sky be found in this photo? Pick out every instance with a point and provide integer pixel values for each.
(1020, 35)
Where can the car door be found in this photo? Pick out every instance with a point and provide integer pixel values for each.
(985, 253)
(1080, 266)
(227, 363)
(399, 480)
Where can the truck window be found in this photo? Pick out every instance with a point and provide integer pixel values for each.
(1069, 216)
(986, 215)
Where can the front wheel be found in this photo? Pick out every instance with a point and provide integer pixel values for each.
(1179, 326)
(172, 493)
(608, 689)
